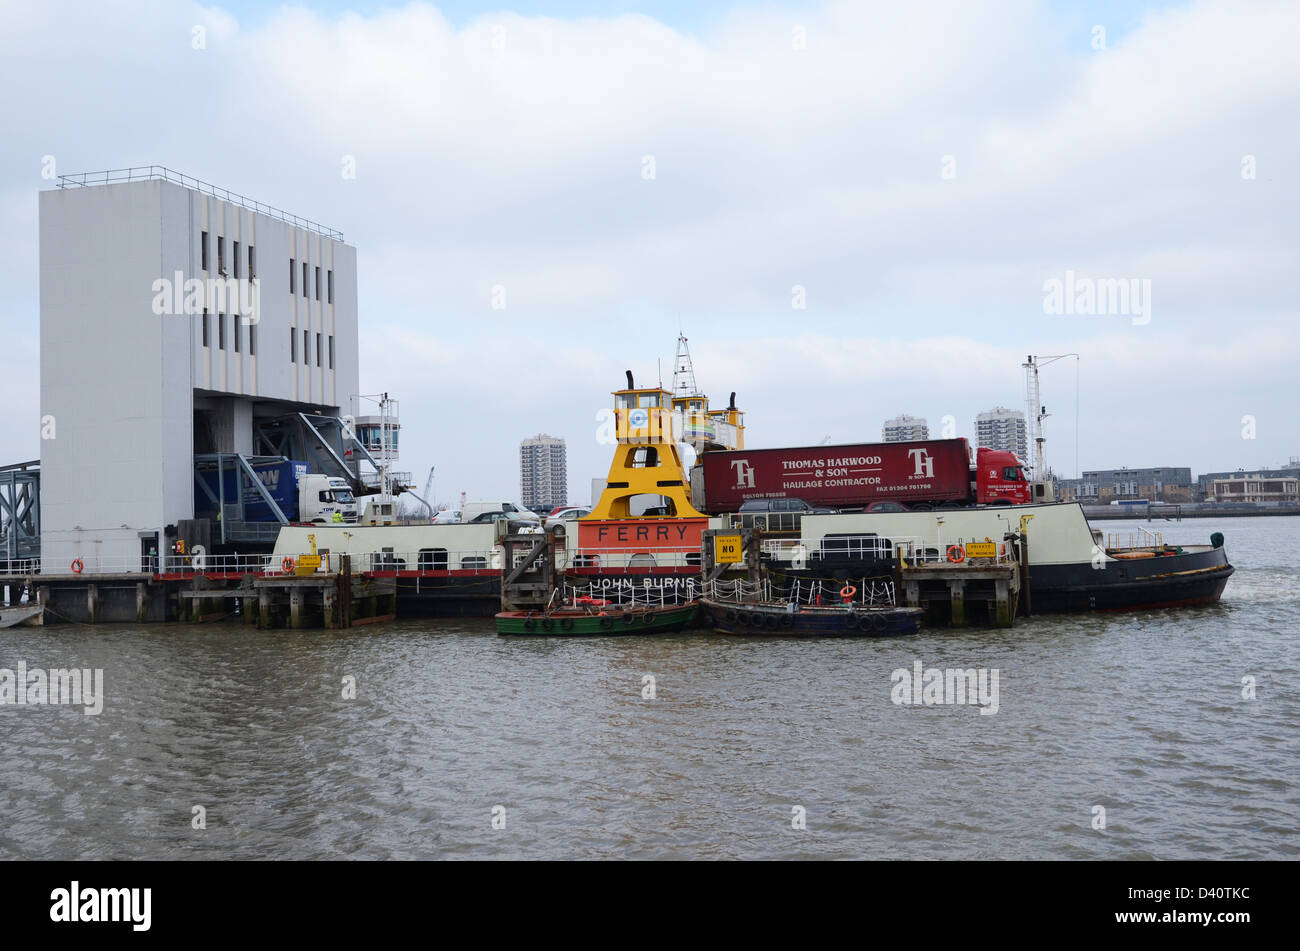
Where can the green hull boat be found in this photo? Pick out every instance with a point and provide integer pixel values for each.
(574, 622)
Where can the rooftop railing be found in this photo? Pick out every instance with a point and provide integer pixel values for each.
(144, 173)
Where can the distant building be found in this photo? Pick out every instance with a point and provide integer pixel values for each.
(1077, 490)
(1005, 429)
(904, 429)
(1205, 482)
(1162, 484)
(1267, 486)
(543, 473)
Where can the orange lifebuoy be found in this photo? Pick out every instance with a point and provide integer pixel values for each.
(847, 592)
(77, 566)
(956, 554)
(287, 564)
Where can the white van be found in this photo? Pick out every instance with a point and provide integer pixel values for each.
(472, 510)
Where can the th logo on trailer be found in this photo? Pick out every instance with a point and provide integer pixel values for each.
(744, 474)
(924, 463)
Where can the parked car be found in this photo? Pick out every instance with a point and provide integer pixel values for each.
(518, 523)
(883, 506)
(778, 515)
(446, 517)
(798, 506)
(563, 514)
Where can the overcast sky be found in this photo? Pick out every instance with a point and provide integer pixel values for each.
(921, 171)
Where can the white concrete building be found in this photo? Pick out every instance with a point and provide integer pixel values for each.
(132, 395)
(543, 473)
(1005, 429)
(904, 429)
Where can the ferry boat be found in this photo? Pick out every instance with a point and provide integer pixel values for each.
(448, 570)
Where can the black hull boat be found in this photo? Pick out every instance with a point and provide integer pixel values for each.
(866, 608)
(1133, 581)
(778, 619)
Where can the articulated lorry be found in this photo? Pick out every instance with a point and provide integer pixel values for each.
(920, 475)
(303, 497)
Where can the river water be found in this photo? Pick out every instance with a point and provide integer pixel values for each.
(1141, 715)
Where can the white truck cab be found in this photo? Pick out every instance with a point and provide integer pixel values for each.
(321, 496)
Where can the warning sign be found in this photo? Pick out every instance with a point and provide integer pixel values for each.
(981, 550)
(727, 550)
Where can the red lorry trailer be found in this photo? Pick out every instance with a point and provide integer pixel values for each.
(921, 474)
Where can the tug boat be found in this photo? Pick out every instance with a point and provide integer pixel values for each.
(603, 619)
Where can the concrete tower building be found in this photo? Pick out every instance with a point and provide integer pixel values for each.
(543, 473)
(1005, 429)
(138, 375)
(905, 429)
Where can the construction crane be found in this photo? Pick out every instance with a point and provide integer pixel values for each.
(428, 494)
(1038, 412)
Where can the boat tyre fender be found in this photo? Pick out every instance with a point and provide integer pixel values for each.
(866, 623)
(566, 624)
(732, 617)
(772, 621)
(606, 622)
(787, 620)
(547, 624)
(879, 623)
(628, 618)
(647, 618)
(529, 624)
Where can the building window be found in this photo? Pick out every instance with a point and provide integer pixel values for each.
(252, 340)
(206, 342)
(234, 327)
(221, 331)
(304, 279)
(306, 343)
(330, 278)
(236, 259)
(293, 344)
(252, 264)
(318, 350)
(221, 255)
(331, 351)
(318, 283)
(293, 278)
(203, 252)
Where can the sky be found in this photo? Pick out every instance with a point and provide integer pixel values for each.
(852, 210)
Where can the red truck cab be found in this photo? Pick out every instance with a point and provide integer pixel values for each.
(1000, 478)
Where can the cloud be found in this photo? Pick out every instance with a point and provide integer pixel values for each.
(513, 150)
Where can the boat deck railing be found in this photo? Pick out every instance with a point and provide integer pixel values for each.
(913, 549)
(861, 592)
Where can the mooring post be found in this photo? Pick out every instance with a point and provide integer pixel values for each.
(329, 601)
(141, 603)
(957, 597)
(264, 608)
(1002, 588)
(92, 602)
(297, 616)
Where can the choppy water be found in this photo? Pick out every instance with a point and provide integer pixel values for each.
(1139, 713)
